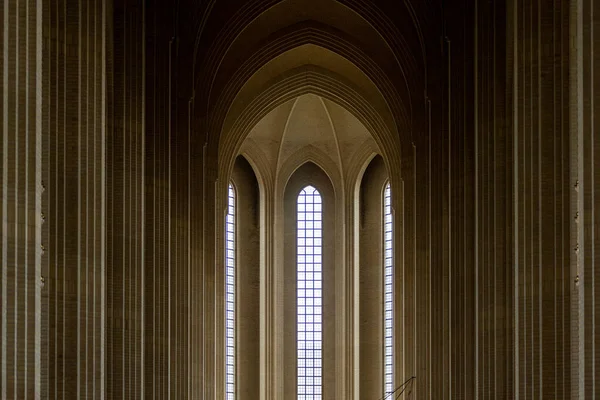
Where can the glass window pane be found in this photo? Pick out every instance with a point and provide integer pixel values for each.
(230, 296)
(309, 300)
(388, 271)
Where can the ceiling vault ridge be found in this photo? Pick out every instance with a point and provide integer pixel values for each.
(335, 136)
(285, 129)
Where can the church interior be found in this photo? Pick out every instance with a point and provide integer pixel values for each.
(300, 199)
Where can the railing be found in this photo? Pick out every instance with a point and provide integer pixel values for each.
(396, 393)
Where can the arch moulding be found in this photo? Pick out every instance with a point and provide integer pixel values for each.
(303, 80)
(398, 98)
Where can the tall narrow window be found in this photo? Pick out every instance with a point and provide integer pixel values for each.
(309, 294)
(388, 288)
(230, 296)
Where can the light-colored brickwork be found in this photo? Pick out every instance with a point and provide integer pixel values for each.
(121, 122)
(74, 141)
(21, 212)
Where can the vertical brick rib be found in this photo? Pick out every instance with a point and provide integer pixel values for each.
(125, 150)
(20, 209)
(74, 136)
(587, 212)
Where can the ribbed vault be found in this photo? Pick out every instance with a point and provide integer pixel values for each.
(358, 26)
(270, 52)
(308, 128)
(308, 79)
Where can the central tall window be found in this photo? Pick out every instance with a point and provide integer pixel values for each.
(230, 296)
(388, 290)
(309, 294)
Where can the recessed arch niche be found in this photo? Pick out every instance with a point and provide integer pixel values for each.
(247, 280)
(309, 174)
(332, 112)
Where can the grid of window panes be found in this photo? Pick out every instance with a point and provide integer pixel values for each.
(230, 297)
(309, 294)
(388, 353)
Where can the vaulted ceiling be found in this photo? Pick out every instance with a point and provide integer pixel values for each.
(240, 49)
(240, 60)
(309, 123)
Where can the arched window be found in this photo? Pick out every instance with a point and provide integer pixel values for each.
(309, 293)
(230, 261)
(388, 289)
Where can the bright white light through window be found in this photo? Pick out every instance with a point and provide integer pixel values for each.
(230, 297)
(388, 288)
(309, 294)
